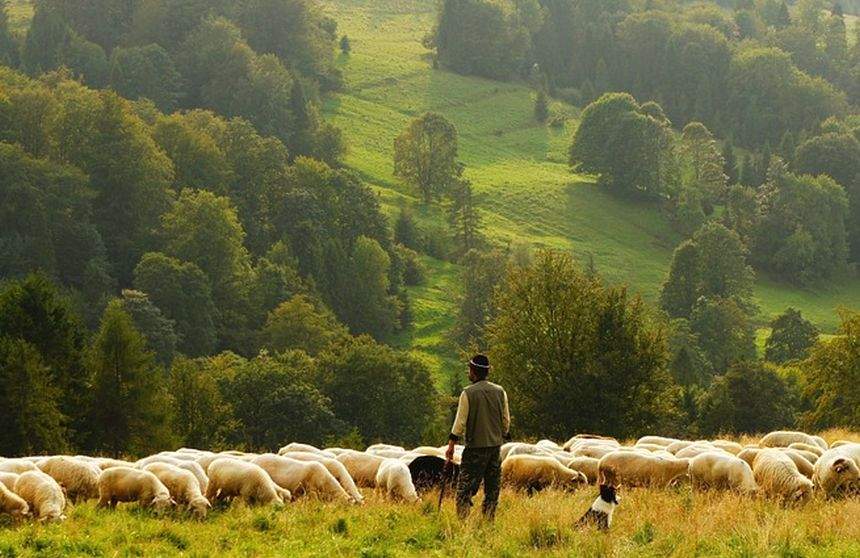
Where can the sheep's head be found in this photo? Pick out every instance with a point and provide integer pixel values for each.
(199, 506)
(163, 502)
(803, 492)
(576, 481)
(22, 511)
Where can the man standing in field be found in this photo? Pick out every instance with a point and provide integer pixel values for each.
(484, 420)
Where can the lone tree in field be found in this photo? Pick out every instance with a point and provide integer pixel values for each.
(624, 143)
(791, 337)
(576, 356)
(425, 155)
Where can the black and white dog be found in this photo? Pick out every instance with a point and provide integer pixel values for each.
(600, 512)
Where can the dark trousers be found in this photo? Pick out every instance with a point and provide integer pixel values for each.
(479, 465)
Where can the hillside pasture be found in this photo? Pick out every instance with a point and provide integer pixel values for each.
(524, 187)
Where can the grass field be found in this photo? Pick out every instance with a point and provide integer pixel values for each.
(524, 187)
(648, 523)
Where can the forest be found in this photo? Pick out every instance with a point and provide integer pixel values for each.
(191, 255)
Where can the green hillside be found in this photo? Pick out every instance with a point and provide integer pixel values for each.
(525, 189)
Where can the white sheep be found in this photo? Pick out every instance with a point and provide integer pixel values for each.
(657, 440)
(588, 466)
(305, 448)
(388, 453)
(802, 463)
(777, 475)
(191, 466)
(302, 477)
(838, 469)
(8, 479)
(336, 468)
(520, 448)
(17, 466)
(12, 504)
(42, 494)
(697, 449)
(182, 485)
(721, 470)
(580, 438)
(362, 467)
(596, 451)
(80, 479)
(108, 463)
(395, 481)
(127, 484)
(230, 478)
(549, 445)
(536, 472)
(784, 438)
(633, 468)
(733, 448)
(807, 448)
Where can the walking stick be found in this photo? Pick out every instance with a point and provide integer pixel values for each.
(445, 470)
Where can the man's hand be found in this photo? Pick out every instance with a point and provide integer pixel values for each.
(449, 453)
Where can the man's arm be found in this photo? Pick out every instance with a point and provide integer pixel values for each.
(459, 428)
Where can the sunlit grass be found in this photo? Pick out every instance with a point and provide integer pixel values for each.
(648, 523)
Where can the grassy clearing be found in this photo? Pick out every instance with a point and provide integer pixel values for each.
(523, 185)
(648, 523)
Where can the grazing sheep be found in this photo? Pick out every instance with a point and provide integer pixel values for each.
(126, 484)
(17, 466)
(108, 463)
(519, 448)
(362, 466)
(182, 485)
(336, 468)
(733, 448)
(777, 475)
(784, 438)
(749, 454)
(657, 441)
(230, 478)
(579, 438)
(8, 479)
(807, 448)
(838, 469)
(803, 465)
(649, 447)
(721, 470)
(388, 453)
(641, 469)
(697, 449)
(588, 466)
(42, 494)
(302, 477)
(537, 472)
(675, 447)
(12, 504)
(192, 467)
(79, 479)
(549, 445)
(393, 480)
(596, 451)
(304, 448)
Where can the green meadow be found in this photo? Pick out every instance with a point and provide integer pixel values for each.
(525, 189)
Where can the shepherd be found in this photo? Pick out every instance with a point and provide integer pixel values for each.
(483, 422)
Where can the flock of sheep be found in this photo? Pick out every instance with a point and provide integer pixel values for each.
(786, 465)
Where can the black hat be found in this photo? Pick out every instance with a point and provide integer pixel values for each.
(480, 362)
